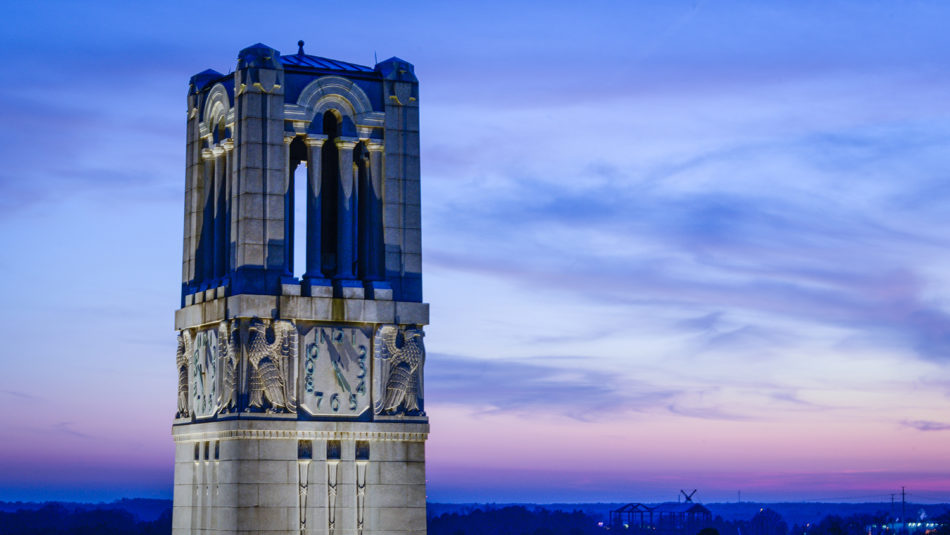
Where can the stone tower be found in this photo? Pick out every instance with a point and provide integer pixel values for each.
(300, 395)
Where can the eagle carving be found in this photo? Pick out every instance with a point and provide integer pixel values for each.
(269, 362)
(185, 347)
(404, 350)
(229, 344)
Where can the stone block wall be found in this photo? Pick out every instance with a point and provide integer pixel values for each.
(300, 478)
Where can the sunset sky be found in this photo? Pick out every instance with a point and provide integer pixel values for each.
(697, 244)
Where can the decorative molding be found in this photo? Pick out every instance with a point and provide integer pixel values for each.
(217, 106)
(260, 434)
(346, 89)
(303, 478)
(333, 477)
(360, 495)
(337, 93)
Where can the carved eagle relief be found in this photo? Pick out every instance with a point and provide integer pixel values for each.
(229, 347)
(404, 350)
(185, 348)
(270, 361)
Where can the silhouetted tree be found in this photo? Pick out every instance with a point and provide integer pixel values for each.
(514, 521)
(54, 519)
(768, 522)
(852, 525)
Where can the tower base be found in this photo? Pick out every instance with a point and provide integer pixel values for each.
(300, 477)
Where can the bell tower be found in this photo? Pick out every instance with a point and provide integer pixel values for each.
(300, 395)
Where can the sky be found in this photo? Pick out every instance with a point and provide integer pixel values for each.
(684, 244)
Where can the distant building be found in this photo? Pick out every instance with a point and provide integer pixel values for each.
(900, 528)
(663, 519)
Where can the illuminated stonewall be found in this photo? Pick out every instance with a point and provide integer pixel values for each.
(300, 400)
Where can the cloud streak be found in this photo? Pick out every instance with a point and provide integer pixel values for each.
(529, 386)
(926, 425)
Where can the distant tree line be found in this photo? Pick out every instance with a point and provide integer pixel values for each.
(517, 520)
(514, 520)
(54, 519)
(768, 522)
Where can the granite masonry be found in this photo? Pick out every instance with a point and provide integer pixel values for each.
(300, 396)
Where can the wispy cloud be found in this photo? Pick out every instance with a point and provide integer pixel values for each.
(704, 234)
(20, 395)
(926, 425)
(525, 386)
(66, 428)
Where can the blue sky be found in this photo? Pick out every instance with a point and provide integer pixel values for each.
(665, 244)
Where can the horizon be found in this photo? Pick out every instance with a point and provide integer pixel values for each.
(697, 244)
(700, 502)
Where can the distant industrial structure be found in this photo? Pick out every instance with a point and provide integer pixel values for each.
(663, 519)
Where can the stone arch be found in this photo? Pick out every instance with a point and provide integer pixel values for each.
(215, 112)
(337, 93)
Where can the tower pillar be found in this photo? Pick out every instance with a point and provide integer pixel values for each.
(345, 275)
(314, 279)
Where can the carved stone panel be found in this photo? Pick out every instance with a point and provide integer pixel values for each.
(203, 368)
(334, 370)
(229, 353)
(399, 356)
(271, 347)
(185, 348)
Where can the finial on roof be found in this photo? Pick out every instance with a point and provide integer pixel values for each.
(300, 45)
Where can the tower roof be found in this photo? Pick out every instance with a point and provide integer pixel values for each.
(307, 61)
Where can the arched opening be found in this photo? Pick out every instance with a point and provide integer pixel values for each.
(204, 233)
(220, 214)
(220, 130)
(329, 192)
(297, 214)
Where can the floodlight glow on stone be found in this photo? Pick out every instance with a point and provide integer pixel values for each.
(309, 385)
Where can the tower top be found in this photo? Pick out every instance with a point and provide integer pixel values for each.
(356, 128)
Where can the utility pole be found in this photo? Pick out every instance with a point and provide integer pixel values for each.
(892, 506)
(903, 510)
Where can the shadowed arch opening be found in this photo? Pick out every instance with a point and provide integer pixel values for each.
(329, 192)
(299, 201)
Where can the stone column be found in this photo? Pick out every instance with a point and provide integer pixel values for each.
(346, 218)
(192, 158)
(259, 173)
(314, 278)
(402, 232)
(220, 202)
(375, 262)
(228, 145)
